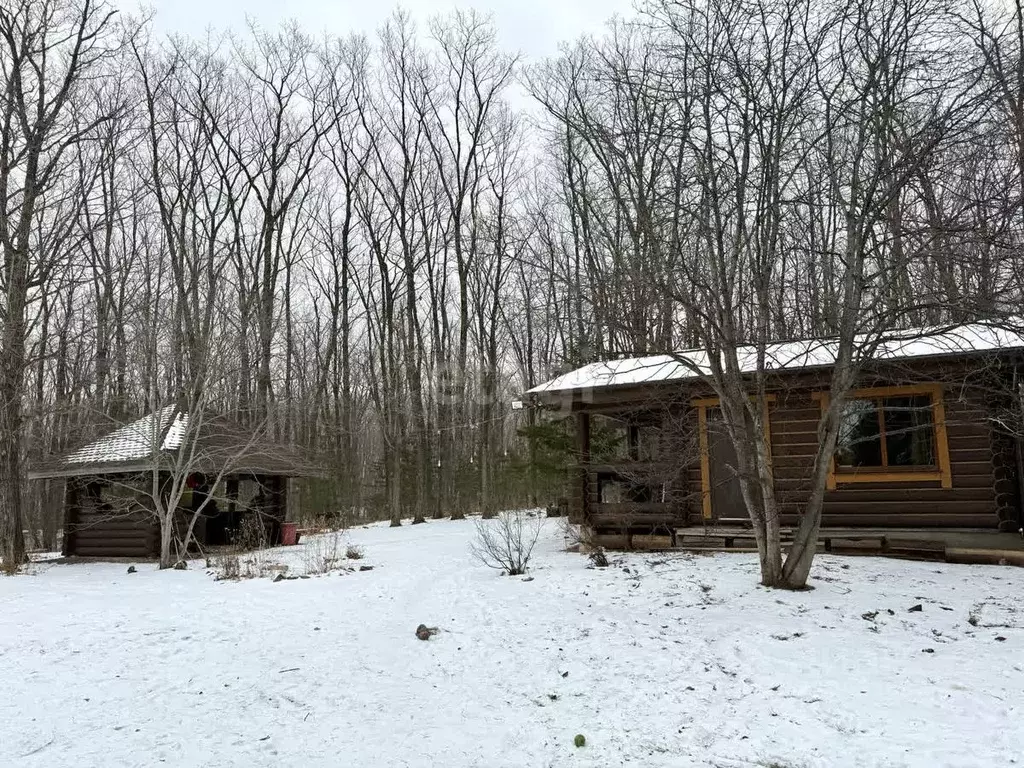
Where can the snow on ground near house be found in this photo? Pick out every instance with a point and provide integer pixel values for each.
(678, 661)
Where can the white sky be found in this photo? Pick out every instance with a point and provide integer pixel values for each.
(533, 27)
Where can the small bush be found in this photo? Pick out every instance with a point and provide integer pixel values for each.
(354, 553)
(506, 542)
(598, 558)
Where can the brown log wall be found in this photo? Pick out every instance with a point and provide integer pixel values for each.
(93, 531)
(975, 456)
(98, 535)
(984, 491)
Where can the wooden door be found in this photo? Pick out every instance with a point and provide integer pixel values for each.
(726, 497)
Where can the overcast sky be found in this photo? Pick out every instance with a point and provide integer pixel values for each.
(534, 27)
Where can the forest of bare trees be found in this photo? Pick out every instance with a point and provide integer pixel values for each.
(374, 243)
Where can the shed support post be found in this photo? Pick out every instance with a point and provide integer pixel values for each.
(70, 516)
(291, 500)
(232, 493)
(279, 505)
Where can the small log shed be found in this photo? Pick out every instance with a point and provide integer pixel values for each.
(108, 483)
(931, 439)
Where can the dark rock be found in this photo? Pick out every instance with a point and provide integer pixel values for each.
(928, 650)
(365, 567)
(279, 577)
(423, 632)
(1000, 638)
(131, 569)
(915, 608)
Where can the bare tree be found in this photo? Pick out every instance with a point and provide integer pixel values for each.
(48, 50)
(776, 144)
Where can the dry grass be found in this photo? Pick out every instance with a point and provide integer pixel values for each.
(577, 538)
(226, 567)
(233, 566)
(323, 553)
(249, 556)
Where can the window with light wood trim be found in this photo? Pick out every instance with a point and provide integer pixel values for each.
(891, 434)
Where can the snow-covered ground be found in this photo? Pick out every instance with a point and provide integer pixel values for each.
(659, 660)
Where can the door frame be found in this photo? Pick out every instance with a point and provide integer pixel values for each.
(702, 404)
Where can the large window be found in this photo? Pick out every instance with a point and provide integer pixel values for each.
(892, 434)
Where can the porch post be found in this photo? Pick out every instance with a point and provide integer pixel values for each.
(581, 496)
(633, 441)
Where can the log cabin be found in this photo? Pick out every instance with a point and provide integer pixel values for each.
(930, 439)
(110, 483)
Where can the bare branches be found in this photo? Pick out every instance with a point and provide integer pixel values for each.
(506, 543)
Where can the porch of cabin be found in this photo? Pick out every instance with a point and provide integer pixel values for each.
(950, 489)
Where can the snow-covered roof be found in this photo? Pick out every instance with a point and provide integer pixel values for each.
(155, 439)
(136, 440)
(789, 355)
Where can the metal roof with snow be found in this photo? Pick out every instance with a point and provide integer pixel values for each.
(135, 441)
(785, 356)
(157, 440)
